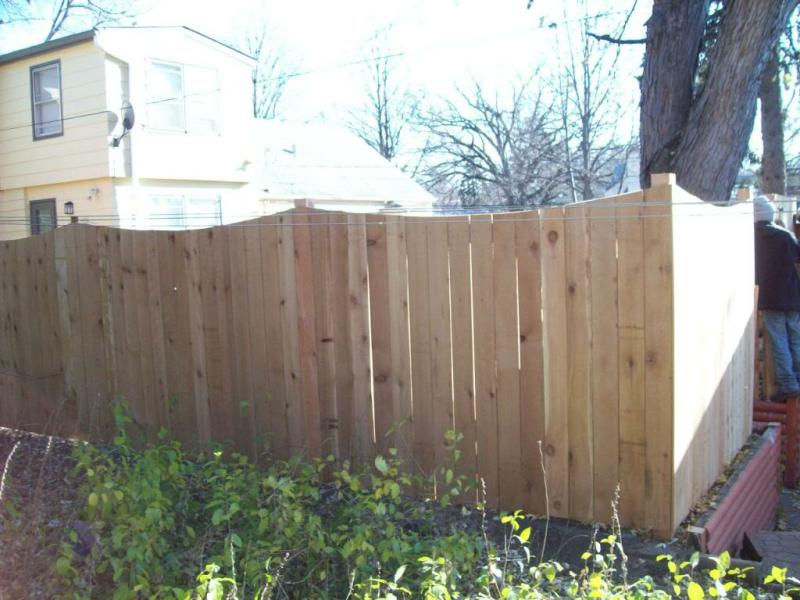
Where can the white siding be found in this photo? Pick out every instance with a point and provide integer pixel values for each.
(223, 157)
(81, 152)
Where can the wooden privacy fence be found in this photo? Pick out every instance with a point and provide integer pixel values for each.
(618, 332)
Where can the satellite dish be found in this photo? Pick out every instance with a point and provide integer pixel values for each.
(128, 120)
(128, 116)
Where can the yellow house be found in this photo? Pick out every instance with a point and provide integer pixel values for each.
(139, 127)
(152, 128)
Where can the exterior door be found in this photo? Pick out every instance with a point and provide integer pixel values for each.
(43, 216)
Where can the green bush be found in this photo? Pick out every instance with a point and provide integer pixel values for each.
(314, 529)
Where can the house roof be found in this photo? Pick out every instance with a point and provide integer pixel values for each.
(62, 42)
(85, 36)
(328, 163)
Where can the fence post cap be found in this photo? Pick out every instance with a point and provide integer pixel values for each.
(662, 179)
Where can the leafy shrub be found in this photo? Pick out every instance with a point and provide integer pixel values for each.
(314, 529)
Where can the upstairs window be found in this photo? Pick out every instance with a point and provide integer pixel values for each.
(46, 100)
(182, 98)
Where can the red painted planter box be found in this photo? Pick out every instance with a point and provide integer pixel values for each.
(748, 500)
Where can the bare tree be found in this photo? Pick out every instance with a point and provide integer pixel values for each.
(273, 71)
(93, 12)
(485, 151)
(381, 119)
(65, 15)
(587, 91)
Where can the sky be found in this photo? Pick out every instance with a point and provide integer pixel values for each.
(444, 42)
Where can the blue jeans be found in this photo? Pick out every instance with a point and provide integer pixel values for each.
(783, 328)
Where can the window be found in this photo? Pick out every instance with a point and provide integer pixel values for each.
(46, 100)
(178, 211)
(43, 216)
(182, 98)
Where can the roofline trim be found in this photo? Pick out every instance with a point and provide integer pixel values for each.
(49, 46)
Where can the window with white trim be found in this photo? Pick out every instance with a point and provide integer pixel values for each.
(181, 211)
(46, 100)
(182, 98)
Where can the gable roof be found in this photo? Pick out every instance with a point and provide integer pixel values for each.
(85, 36)
(328, 163)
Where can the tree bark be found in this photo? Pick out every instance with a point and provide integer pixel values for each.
(704, 138)
(674, 33)
(773, 162)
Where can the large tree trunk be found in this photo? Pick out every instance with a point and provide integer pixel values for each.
(707, 149)
(773, 163)
(674, 33)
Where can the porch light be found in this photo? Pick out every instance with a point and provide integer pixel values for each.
(69, 207)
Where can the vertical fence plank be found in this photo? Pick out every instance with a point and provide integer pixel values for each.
(62, 239)
(277, 400)
(402, 408)
(141, 295)
(507, 359)
(252, 407)
(554, 305)
(325, 332)
(291, 348)
(380, 315)
(531, 377)
(463, 365)
(604, 358)
(440, 339)
(579, 342)
(214, 333)
(306, 323)
(485, 368)
(197, 344)
(363, 444)
(419, 319)
(630, 289)
(338, 230)
(659, 359)
(155, 300)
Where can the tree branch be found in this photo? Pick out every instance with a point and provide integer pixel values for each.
(604, 37)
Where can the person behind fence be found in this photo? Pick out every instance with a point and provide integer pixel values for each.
(777, 254)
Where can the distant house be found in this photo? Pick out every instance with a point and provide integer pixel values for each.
(193, 156)
(333, 169)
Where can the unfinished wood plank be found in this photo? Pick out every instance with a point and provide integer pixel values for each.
(419, 318)
(273, 297)
(402, 407)
(307, 334)
(631, 318)
(240, 341)
(325, 331)
(256, 402)
(380, 316)
(363, 443)
(338, 230)
(62, 239)
(531, 376)
(579, 371)
(506, 327)
(458, 242)
(74, 364)
(155, 299)
(197, 347)
(141, 296)
(485, 365)
(659, 359)
(291, 343)
(94, 355)
(554, 303)
(604, 356)
(440, 339)
(219, 356)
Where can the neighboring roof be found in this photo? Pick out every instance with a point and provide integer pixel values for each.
(62, 42)
(85, 36)
(328, 163)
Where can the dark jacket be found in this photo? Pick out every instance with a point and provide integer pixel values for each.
(777, 252)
